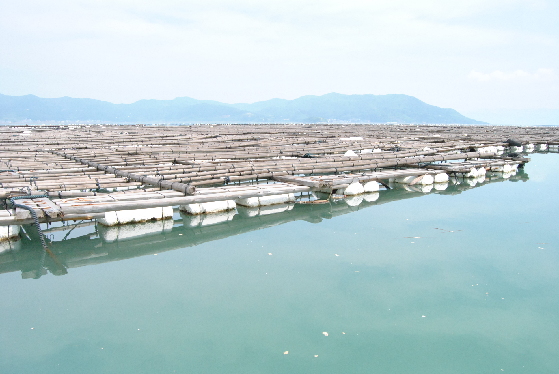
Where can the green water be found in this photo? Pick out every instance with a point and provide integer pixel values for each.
(463, 281)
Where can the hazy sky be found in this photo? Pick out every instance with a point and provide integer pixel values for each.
(463, 54)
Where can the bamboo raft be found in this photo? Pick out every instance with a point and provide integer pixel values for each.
(106, 244)
(76, 172)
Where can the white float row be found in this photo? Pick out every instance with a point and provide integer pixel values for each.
(542, 147)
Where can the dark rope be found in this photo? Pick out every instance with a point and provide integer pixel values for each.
(33, 215)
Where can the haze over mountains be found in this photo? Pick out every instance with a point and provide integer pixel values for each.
(331, 107)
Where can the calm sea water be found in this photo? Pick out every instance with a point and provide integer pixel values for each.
(462, 281)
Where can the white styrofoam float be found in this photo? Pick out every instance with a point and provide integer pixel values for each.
(252, 202)
(517, 149)
(121, 217)
(441, 178)
(350, 153)
(541, 147)
(210, 207)
(353, 189)
(371, 186)
(489, 149)
(9, 232)
(132, 231)
(419, 179)
(201, 220)
(529, 148)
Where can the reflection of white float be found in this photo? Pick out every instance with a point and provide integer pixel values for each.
(440, 186)
(136, 230)
(354, 200)
(509, 174)
(529, 148)
(371, 197)
(265, 210)
(426, 188)
(9, 232)
(541, 147)
(10, 245)
(474, 181)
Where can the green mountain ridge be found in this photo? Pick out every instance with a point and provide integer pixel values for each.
(330, 107)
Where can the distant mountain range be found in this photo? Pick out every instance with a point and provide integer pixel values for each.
(332, 107)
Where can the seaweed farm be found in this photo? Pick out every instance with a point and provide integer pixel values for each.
(279, 249)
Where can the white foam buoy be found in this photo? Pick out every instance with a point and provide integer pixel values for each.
(350, 153)
(473, 173)
(121, 217)
(372, 186)
(266, 200)
(419, 180)
(441, 178)
(210, 207)
(353, 189)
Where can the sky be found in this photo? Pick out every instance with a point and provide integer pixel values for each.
(476, 56)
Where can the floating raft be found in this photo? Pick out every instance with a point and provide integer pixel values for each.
(105, 244)
(72, 172)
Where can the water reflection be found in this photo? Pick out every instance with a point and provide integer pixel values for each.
(96, 244)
